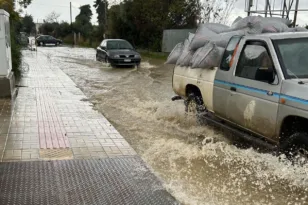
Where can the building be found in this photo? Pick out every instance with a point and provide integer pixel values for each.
(174, 36)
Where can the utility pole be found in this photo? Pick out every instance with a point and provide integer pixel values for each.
(72, 23)
(295, 13)
(106, 10)
(266, 7)
(250, 3)
(71, 12)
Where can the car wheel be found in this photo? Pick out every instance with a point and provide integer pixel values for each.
(97, 58)
(42, 44)
(194, 104)
(296, 148)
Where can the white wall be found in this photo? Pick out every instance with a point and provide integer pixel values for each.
(5, 45)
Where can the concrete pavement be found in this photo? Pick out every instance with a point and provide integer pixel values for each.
(56, 149)
(52, 119)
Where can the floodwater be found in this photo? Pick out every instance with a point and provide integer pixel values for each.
(198, 164)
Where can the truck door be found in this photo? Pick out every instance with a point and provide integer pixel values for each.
(255, 88)
(221, 91)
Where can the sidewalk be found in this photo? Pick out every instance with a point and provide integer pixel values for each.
(57, 150)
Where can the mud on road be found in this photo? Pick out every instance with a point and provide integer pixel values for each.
(197, 164)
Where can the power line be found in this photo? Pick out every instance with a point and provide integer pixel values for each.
(49, 5)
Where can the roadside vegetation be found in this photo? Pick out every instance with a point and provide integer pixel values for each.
(138, 21)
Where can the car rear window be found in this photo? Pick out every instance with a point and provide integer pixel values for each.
(118, 45)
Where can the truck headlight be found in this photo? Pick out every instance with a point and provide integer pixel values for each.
(116, 56)
(137, 56)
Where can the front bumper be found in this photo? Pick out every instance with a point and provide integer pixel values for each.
(124, 61)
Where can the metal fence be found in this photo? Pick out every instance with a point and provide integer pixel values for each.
(173, 37)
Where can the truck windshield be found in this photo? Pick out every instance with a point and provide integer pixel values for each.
(293, 57)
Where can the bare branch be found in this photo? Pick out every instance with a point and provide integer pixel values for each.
(52, 17)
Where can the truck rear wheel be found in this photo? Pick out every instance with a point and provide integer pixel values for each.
(194, 104)
(296, 148)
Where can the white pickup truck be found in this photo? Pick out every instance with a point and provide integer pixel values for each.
(259, 90)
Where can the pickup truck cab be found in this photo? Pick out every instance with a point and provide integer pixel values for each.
(260, 88)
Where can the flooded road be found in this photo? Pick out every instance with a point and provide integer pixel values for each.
(197, 164)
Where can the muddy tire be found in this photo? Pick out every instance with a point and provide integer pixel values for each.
(296, 147)
(195, 104)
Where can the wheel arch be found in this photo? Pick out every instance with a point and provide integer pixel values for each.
(190, 88)
(292, 124)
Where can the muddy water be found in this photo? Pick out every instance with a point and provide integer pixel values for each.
(198, 164)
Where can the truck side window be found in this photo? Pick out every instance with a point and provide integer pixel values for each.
(255, 63)
(230, 51)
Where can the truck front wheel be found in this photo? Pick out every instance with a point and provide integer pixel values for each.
(194, 104)
(296, 148)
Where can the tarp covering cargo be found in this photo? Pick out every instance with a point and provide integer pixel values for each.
(175, 54)
(207, 57)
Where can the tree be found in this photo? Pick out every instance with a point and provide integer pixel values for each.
(142, 22)
(48, 28)
(28, 24)
(52, 17)
(83, 21)
(217, 11)
(101, 10)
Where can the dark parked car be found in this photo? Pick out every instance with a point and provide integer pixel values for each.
(117, 52)
(45, 39)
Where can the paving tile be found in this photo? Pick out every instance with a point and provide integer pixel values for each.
(49, 115)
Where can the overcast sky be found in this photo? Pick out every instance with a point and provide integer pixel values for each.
(40, 8)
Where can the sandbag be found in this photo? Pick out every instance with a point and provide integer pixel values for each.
(216, 27)
(273, 25)
(277, 19)
(186, 60)
(203, 36)
(186, 55)
(236, 20)
(223, 39)
(190, 37)
(208, 56)
(249, 22)
(297, 29)
(175, 54)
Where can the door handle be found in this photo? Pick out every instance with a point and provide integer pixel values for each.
(233, 89)
(270, 93)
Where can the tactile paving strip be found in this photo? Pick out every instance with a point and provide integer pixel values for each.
(110, 181)
(56, 154)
